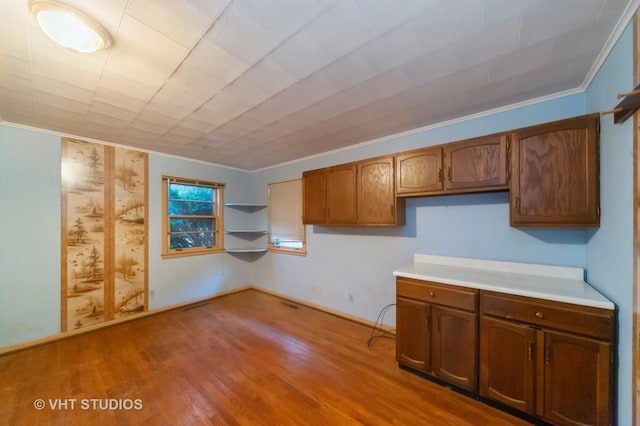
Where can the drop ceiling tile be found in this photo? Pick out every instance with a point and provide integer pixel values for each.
(554, 77)
(154, 119)
(433, 27)
(385, 15)
(491, 42)
(431, 66)
(386, 84)
(54, 70)
(279, 106)
(495, 11)
(392, 49)
(195, 81)
(95, 117)
(119, 83)
(171, 100)
(241, 35)
(585, 40)
(113, 111)
(347, 71)
(184, 22)
(341, 29)
(236, 99)
(269, 76)
(14, 20)
(216, 62)
(314, 88)
(48, 101)
(301, 55)
(118, 98)
(144, 55)
(280, 18)
(551, 19)
(58, 88)
(520, 61)
(198, 125)
(184, 132)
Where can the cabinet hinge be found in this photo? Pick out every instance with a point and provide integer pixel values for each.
(517, 204)
(598, 211)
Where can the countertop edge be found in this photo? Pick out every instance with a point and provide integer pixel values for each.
(603, 303)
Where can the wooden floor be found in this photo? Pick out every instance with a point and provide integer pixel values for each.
(246, 358)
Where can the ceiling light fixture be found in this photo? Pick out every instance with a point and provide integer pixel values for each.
(70, 27)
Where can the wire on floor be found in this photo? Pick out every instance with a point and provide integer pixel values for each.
(377, 332)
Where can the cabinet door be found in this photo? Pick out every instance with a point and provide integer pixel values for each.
(314, 188)
(454, 343)
(476, 164)
(341, 194)
(376, 192)
(577, 374)
(413, 334)
(507, 363)
(419, 172)
(555, 174)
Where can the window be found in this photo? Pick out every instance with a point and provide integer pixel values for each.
(191, 217)
(286, 231)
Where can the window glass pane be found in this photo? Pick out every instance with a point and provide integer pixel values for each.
(191, 225)
(195, 239)
(190, 208)
(190, 192)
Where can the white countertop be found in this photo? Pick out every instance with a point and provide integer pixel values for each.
(558, 283)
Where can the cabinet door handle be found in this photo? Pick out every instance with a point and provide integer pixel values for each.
(530, 351)
(540, 315)
(432, 294)
(440, 175)
(517, 204)
(547, 354)
(449, 174)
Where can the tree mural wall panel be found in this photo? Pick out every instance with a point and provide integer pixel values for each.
(104, 233)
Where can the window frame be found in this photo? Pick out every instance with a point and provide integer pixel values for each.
(218, 208)
(272, 247)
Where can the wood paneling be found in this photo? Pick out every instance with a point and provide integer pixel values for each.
(246, 358)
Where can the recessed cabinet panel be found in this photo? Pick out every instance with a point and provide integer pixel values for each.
(419, 171)
(476, 164)
(341, 194)
(507, 363)
(577, 380)
(555, 174)
(455, 346)
(376, 193)
(413, 334)
(314, 188)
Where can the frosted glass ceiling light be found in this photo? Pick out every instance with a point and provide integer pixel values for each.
(69, 27)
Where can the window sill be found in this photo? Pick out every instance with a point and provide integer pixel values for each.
(190, 253)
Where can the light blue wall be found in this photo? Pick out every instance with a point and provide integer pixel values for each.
(350, 263)
(610, 248)
(30, 240)
(29, 235)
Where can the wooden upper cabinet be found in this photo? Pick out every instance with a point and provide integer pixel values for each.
(476, 164)
(419, 172)
(341, 194)
(314, 196)
(377, 204)
(555, 178)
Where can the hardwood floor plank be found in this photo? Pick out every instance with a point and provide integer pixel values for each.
(245, 358)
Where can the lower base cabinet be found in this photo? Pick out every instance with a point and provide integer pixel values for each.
(436, 331)
(549, 360)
